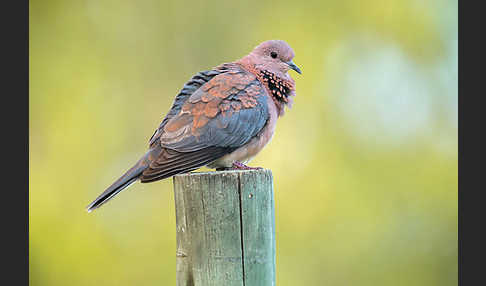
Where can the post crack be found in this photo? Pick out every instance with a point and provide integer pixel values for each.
(241, 228)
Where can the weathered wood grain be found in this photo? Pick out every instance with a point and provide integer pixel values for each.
(225, 228)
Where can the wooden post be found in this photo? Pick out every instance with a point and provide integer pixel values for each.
(225, 228)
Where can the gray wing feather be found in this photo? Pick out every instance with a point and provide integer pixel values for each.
(187, 90)
(226, 131)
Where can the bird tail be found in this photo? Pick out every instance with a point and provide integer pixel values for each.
(124, 181)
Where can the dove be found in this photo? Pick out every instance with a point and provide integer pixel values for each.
(221, 118)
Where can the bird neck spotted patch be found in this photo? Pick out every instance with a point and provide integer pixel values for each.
(279, 88)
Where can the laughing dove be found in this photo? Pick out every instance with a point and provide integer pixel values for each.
(221, 118)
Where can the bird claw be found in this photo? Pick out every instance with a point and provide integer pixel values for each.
(240, 166)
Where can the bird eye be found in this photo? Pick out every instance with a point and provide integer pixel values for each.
(273, 55)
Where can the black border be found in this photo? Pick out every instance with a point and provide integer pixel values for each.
(15, 134)
(471, 170)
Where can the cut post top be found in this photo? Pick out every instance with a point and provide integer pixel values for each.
(217, 173)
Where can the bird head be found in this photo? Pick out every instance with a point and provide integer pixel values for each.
(275, 56)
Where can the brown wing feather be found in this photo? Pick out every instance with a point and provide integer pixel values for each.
(227, 111)
(171, 162)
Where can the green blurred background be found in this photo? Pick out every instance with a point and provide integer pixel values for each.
(365, 163)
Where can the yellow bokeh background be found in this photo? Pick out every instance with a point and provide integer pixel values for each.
(364, 164)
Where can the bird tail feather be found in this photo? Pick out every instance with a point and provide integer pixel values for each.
(124, 181)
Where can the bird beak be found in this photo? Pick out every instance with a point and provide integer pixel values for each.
(294, 67)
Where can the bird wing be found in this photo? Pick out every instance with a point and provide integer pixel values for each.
(219, 116)
(187, 90)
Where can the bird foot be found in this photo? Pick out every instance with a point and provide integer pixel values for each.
(240, 166)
